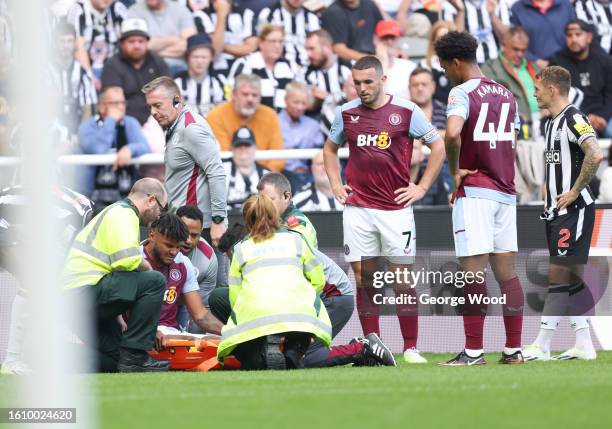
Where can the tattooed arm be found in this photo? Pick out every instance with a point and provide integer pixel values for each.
(592, 157)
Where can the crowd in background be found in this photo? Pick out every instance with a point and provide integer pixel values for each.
(269, 74)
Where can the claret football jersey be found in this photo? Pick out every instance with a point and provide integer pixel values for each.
(380, 148)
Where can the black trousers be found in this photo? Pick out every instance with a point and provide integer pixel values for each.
(138, 292)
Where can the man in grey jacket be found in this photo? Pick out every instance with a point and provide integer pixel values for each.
(194, 174)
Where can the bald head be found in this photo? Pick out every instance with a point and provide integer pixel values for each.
(149, 186)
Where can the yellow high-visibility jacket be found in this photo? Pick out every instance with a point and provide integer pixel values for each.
(109, 242)
(274, 287)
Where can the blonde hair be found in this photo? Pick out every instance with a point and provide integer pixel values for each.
(260, 217)
(449, 25)
(165, 82)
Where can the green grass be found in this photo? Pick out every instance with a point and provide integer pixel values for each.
(537, 395)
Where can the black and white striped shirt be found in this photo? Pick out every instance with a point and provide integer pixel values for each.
(478, 23)
(564, 156)
(101, 30)
(296, 27)
(310, 199)
(77, 91)
(331, 81)
(272, 83)
(600, 16)
(240, 187)
(239, 26)
(203, 95)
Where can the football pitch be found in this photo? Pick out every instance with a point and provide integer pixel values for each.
(542, 395)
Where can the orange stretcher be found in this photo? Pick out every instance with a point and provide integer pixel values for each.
(189, 353)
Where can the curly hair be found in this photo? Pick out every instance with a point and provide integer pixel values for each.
(457, 44)
(171, 226)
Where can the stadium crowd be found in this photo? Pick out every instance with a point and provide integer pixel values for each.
(191, 79)
(279, 69)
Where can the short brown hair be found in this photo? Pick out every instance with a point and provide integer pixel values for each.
(324, 37)
(269, 28)
(162, 82)
(556, 76)
(260, 217)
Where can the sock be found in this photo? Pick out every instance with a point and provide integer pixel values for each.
(555, 306)
(513, 312)
(580, 324)
(19, 312)
(408, 319)
(367, 310)
(474, 353)
(580, 300)
(511, 350)
(344, 354)
(474, 315)
(548, 325)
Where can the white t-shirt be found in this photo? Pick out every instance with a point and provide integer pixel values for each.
(398, 77)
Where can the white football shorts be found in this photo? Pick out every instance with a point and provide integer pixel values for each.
(372, 232)
(482, 226)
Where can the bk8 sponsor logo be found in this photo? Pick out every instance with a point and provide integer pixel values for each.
(381, 141)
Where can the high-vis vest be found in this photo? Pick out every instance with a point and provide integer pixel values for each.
(274, 287)
(294, 219)
(110, 242)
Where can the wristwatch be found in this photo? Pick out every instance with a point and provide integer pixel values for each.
(218, 219)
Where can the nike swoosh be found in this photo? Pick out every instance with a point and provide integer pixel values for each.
(470, 363)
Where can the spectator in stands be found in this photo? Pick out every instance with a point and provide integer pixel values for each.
(605, 186)
(396, 66)
(599, 14)
(297, 22)
(231, 26)
(133, 67)
(98, 27)
(318, 195)
(415, 17)
(111, 131)
(245, 109)
(299, 132)
(545, 21)
(518, 74)
(432, 63)
(591, 71)
(351, 24)
(170, 25)
(326, 76)
(422, 88)
(440, 191)
(200, 90)
(71, 81)
(485, 20)
(242, 172)
(267, 63)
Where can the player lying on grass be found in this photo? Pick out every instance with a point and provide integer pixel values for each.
(274, 285)
(162, 251)
(337, 295)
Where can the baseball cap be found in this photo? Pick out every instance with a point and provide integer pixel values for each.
(244, 136)
(387, 28)
(584, 26)
(134, 27)
(199, 40)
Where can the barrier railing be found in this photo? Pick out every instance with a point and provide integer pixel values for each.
(158, 158)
